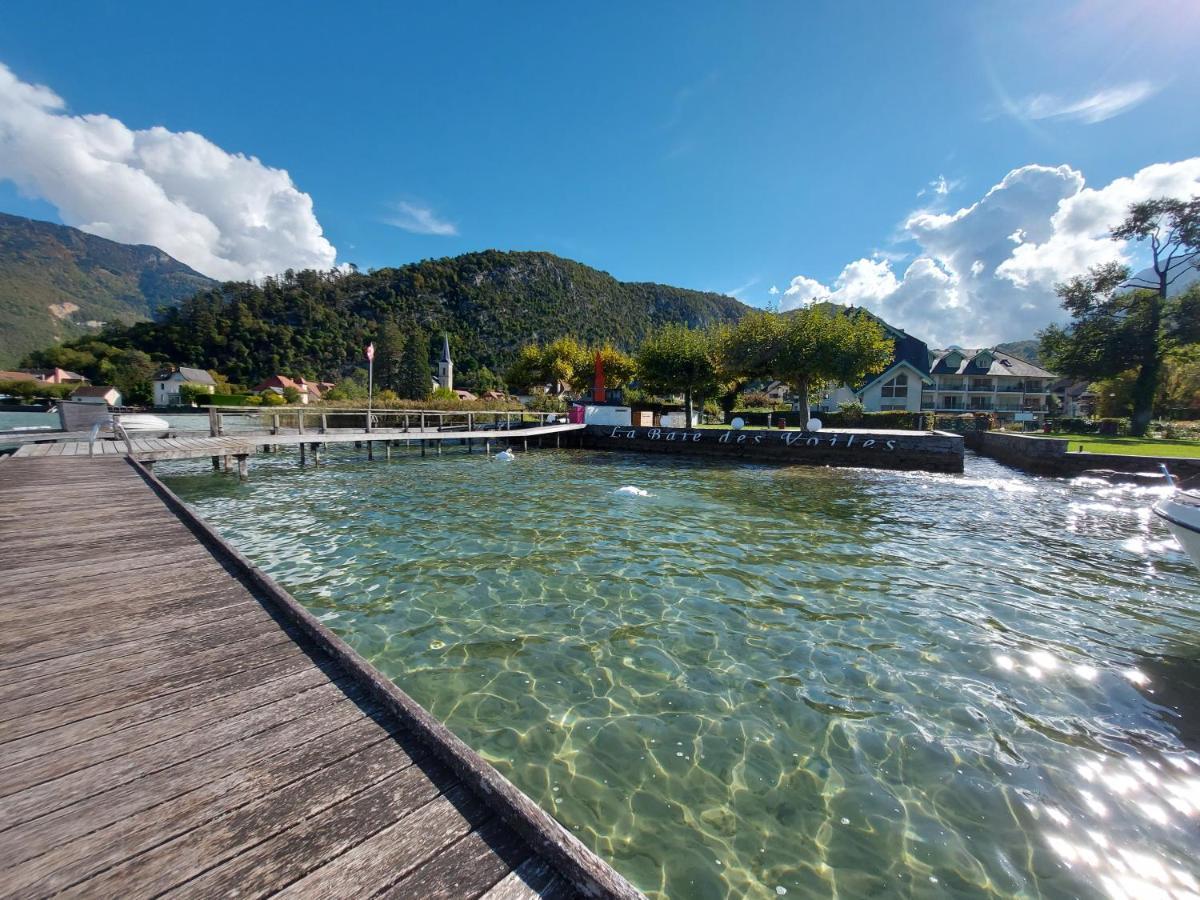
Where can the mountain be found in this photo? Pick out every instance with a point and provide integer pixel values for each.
(490, 303)
(1026, 350)
(57, 283)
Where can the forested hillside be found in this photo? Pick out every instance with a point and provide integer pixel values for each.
(316, 324)
(57, 283)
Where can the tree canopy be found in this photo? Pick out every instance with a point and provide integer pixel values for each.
(1124, 324)
(676, 359)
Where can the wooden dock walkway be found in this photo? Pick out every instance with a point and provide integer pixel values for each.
(246, 443)
(173, 722)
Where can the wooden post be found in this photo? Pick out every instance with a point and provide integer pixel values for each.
(439, 443)
(299, 421)
(370, 450)
(216, 461)
(422, 449)
(324, 423)
(227, 464)
(558, 442)
(274, 423)
(302, 453)
(213, 427)
(149, 464)
(387, 449)
(487, 447)
(526, 443)
(317, 454)
(470, 421)
(469, 450)
(422, 422)
(243, 466)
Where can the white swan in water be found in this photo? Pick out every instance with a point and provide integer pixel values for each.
(630, 491)
(506, 455)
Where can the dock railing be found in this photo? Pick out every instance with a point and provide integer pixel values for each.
(324, 419)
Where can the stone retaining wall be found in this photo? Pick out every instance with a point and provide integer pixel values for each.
(1052, 456)
(937, 451)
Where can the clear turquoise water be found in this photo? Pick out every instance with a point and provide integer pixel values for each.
(766, 680)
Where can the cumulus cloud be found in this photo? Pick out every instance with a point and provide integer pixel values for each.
(986, 273)
(224, 214)
(1103, 104)
(420, 220)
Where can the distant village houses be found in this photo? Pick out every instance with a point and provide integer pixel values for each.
(308, 391)
(168, 383)
(103, 394)
(45, 376)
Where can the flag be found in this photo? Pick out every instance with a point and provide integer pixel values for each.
(370, 352)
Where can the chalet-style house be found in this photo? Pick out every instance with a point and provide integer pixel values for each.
(309, 391)
(948, 381)
(97, 393)
(168, 383)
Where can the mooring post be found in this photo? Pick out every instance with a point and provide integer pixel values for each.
(274, 423)
(324, 423)
(525, 441)
(302, 453)
(370, 450)
(317, 454)
(469, 450)
(439, 446)
(227, 464)
(387, 449)
(487, 447)
(299, 422)
(213, 428)
(216, 461)
(422, 449)
(243, 466)
(558, 442)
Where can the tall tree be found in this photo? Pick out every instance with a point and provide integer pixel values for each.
(676, 359)
(389, 350)
(743, 353)
(413, 381)
(819, 344)
(1121, 323)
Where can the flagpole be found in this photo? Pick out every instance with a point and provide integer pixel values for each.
(370, 382)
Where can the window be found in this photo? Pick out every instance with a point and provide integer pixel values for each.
(897, 387)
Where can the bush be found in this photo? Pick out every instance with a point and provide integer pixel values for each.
(252, 400)
(851, 413)
(900, 419)
(546, 403)
(270, 398)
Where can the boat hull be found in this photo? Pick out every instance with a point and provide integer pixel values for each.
(1183, 518)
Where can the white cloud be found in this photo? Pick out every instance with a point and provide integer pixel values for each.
(1104, 104)
(986, 273)
(940, 186)
(773, 291)
(741, 289)
(224, 214)
(420, 220)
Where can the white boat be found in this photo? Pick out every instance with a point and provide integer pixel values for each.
(139, 423)
(1181, 511)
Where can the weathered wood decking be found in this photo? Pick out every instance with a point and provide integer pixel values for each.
(172, 722)
(150, 449)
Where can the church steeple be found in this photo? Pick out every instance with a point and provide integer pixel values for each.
(446, 366)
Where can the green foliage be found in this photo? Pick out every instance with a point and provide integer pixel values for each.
(291, 394)
(676, 359)
(128, 369)
(390, 347)
(852, 413)
(442, 395)
(1122, 324)
(546, 403)
(570, 362)
(387, 397)
(414, 382)
(192, 393)
(251, 400)
(489, 304)
(481, 380)
(28, 389)
(270, 398)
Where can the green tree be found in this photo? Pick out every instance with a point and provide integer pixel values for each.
(818, 344)
(291, 394)
(745, 352)
(1121, 323)
(676, 359)
(390, 347)
(414, 381)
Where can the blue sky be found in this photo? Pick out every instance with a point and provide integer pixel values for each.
(728, 147)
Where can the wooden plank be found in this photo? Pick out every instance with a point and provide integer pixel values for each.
(405, 787)
(193, 790)
(188, 689)
(467, 868)
(229, 656)
(533, 879)
(164, 717)
(394, 852)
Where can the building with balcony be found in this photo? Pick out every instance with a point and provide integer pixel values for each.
(898, 387)
(986, 380)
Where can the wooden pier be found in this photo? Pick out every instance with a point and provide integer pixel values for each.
(173, 722)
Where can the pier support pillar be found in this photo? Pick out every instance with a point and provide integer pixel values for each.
(301, 453)
(387, 449)
(422, 449)
(525, 441)
(149, 464)
(316, 449)
(243, 463)
(487, 448)
(216, 461)
(370, 450)
(439, 447)
(227, 464)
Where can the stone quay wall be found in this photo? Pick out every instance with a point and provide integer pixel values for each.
(936, 451)
(1052, 456)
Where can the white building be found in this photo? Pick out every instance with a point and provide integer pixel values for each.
(98, 393)
(986, 380)
(167, 384)
(445, 367)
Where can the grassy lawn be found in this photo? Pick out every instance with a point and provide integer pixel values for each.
(1131, 446)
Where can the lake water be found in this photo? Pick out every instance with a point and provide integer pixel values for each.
(758, 681)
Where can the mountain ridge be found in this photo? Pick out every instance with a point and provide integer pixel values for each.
(59, 283)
